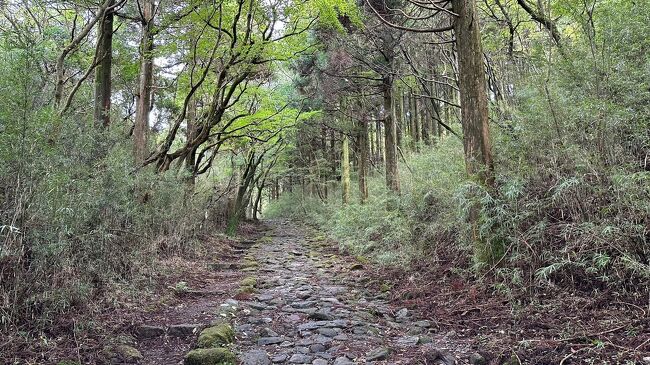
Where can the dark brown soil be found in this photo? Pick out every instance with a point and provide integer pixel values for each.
(80, 336)
(539, 325)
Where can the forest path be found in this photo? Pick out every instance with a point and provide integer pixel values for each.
(312, 307)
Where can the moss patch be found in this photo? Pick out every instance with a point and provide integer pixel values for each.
(248, 281)
(218, 335)
(250, 263)
(213, 356)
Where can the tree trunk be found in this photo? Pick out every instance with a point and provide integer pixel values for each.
(363, 160)
(143, 106)
(378, 149)
(345, 171)
(417, 122)
(426, 123)
(103, 69)
(399, 116)
(390, 148)
(474, 114)
(473, 97)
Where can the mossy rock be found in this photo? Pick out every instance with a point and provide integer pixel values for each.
(212, 356)
(362, 259)
(218, 335)
(248, 281)
(246, 290)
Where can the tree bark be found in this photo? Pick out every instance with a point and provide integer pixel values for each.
(473, 96)
(390, 147)
(399, 116)
(345, 171)
(103, 69)
(143, 106)
(363, 160)
(474, 113)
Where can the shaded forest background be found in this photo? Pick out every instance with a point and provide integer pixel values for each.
(132, 130)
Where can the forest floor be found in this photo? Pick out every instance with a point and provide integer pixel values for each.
(313, 304)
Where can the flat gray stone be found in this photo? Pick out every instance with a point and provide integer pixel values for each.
(342, 360)
(378, 354)
(424, 323)
(300, 359)
(408, 341)
(321, 316)
(146, 331)
(264, 341)
(317, 347)
(183, 330)
(255, 357)
(279, 358)
(329, 331)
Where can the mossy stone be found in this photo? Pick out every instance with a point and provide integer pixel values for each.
(248, 281)
(246, 290)
(212, 356)
(218, 335)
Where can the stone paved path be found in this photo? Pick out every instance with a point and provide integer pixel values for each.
(310, 307)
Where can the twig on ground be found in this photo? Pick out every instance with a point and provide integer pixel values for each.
(594, 334)
(571, 354)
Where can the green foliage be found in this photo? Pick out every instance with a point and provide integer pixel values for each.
(72, 215)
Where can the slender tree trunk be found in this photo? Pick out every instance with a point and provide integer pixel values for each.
(399, 115)
(426, 123)
(363, 160)
(390, 147)
(417, 123)
(103, 69)
(143, 106)
(345, 171)
(378, 144)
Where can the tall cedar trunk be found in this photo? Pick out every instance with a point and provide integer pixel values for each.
(103, 69)
(418, 121)
(426, 123)
(363, 160)
(399, 116)
(390, 147)
(143, 106)
(345, 171)
(378, 150)
(371, 141)
(474, 113)
(473, 97)
(412, 130)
